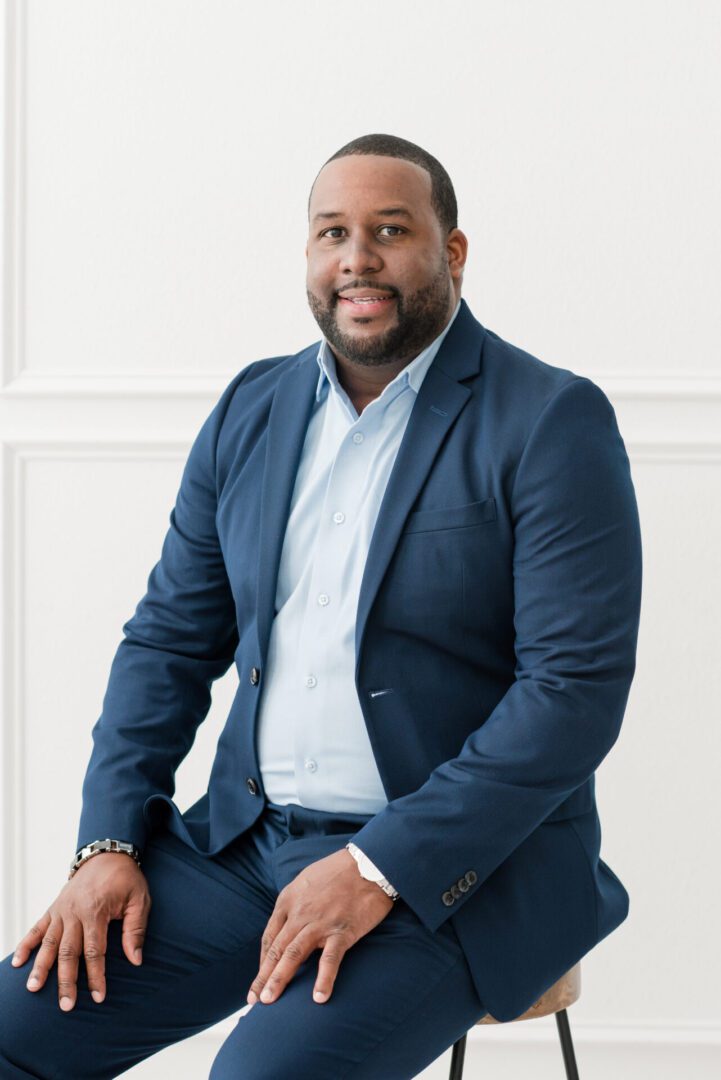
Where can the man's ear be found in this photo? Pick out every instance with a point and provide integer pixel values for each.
(457, 248)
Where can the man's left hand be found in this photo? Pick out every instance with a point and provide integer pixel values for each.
(328, 906)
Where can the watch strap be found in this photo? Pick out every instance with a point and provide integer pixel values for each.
(97, 847)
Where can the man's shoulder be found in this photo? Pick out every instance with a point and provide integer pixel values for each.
(259, 378)
(272, 367)
(519, 379)
(508, 362)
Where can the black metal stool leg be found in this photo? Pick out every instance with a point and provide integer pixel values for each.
(569, 1058)
(459, 1052)
(564, 1031)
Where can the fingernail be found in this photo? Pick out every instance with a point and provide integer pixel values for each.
(252, 997)
(97, 995)
(266, 995)
(66, 1003)
(15, 959)
(33, 980)
(137, 955)
(319, 995)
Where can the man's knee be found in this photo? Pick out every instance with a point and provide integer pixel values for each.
(250, 1062)
(20, 1040)
(28, 1049)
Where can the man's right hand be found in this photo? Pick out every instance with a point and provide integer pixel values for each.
(106, 886)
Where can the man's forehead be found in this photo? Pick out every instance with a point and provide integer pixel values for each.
(380, 211)
(383, 181)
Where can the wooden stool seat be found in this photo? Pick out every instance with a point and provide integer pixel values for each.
(559, 996)
(555, 1000)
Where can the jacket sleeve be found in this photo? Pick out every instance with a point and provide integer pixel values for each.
(577, 591)
(180, 639)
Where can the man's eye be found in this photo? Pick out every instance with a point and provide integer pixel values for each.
(338, 229)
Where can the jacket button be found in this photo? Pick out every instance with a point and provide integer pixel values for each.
(463, 884)
(252, 786)
(447, 899)
(455, 892)
(254, 676)
(471, 877)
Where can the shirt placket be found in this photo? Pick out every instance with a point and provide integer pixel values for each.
(321, 630)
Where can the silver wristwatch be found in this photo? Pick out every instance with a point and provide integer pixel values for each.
(97, 846)
(370, 871)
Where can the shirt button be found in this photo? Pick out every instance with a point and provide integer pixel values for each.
(310, 680)
(339, 517)
(323, 599)
(358, 437)
(310, 765)
(254, 676)
(252, 786)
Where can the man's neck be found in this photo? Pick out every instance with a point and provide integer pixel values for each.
(363, 384)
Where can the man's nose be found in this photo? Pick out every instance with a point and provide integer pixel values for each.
(359, 257)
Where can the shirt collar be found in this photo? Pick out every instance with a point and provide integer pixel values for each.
(412, 374)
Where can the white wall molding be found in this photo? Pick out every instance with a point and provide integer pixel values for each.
(95, 448)
(659, 385)
(675, 1032)
(660, 420)
(639, 385)
(14, 461)
(612, 1033)
(115, 385)
(657, 452)
(70, 444)
(12, 833)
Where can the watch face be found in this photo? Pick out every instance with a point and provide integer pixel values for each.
(369, 871)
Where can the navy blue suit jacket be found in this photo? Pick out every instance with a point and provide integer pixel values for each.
(500, 605)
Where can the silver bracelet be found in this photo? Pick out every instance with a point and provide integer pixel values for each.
(97, 846)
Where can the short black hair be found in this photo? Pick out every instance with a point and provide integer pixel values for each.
(443, 197)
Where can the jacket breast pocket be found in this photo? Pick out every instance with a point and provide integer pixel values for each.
(451, 517)
(424, 586)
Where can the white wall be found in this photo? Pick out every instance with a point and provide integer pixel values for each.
(157, 161)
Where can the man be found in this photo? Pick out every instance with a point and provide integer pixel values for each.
(420, 546)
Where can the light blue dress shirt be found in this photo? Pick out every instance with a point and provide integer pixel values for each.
(313, 745)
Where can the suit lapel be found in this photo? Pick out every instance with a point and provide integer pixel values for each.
(289, 417)
(440, 400)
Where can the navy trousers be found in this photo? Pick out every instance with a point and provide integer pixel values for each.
(402, 996)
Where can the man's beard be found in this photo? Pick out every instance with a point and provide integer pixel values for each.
(420, 318)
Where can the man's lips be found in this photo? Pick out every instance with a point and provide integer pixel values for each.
(372, 305)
